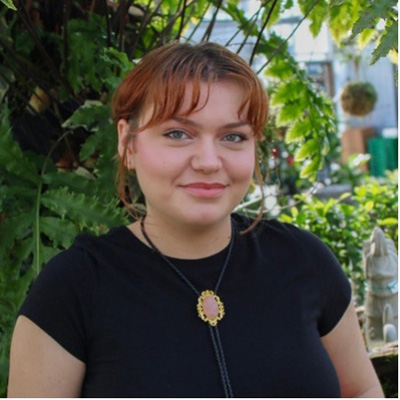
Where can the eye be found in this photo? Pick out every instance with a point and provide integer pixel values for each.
(177, 134)
(235, 137)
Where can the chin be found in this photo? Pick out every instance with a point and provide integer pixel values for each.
(204, 218)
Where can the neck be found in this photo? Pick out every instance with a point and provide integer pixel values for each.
(183, 242)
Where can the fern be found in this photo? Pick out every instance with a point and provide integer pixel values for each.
(90, 212)
(11, 157)
(374, 10)
(388, 41)
(60, 231)
(317, 15)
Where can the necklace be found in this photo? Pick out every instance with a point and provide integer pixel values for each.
(209, 306)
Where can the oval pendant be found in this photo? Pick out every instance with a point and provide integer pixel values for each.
(210, 307)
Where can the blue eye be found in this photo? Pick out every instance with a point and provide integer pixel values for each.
(176, 134)
(235, 138)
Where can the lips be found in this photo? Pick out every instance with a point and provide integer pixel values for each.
(207, 186)
(205, 190)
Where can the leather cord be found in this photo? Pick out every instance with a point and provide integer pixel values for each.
(214, 333)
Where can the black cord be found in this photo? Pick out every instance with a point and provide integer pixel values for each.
(214, 333)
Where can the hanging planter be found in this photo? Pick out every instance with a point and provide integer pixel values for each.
(358, 98)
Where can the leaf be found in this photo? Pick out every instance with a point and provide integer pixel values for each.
(344, 196)
(310, 170)
(74, 182)
(90, 116)
(388, 41)
(286, 218)
(15, 227)
(298, 131)
(275, 13)
(60, 231)
(4, 83)
(388, 221)
(365, 37)
(281, 69)
(316, 16)
(306, 150)
(9, 4)
(102, 139)
(47, 253)
(375, 10)
(342, 17)
(286, 92)
(88, 210)
(369, 206)
(289, 113)
(11, 155)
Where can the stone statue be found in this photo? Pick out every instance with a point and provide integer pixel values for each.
(380, 264)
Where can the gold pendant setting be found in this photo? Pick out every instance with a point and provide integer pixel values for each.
(210, 307)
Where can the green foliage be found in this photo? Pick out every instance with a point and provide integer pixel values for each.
(360, 17)
(317, 14)
(350, 172)
(90, 63)
(307, 115)
(387, 42)
(9, 4)
(379, 199)
(43, 211)
(372, 13)
(344, 226)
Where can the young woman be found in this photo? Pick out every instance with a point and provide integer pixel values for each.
(191, 300)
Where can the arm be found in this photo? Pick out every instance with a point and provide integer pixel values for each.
(346, 349)
(40, 367)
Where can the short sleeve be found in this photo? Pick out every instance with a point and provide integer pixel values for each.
(60, 301)
(333, 286)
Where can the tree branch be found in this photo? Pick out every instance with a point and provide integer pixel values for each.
(66, 14)
(254, 17)
(279, 48)
(199, 23)
(105, 5)
(207, 33)
(262, 30)
(182, 25)
(28, 23)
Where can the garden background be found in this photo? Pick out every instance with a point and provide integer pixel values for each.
(62, 60)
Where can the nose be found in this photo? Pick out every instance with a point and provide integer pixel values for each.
(206, 157)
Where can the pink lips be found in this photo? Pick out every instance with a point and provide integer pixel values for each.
(205, 190)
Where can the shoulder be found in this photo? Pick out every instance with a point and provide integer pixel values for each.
(288, 242)
(79, 265)
(279, 231)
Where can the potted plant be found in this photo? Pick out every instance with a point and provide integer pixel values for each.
(358, 98)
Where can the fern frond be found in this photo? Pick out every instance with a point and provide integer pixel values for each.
(89, 211)
(374, 11)
(11, 156)
(388, 41)
(14, 228)
(61, 231)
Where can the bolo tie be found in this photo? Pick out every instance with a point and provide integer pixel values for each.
(209, 306)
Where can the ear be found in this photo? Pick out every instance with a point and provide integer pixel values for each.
(124, 143)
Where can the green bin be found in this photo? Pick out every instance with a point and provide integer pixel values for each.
(384, 155)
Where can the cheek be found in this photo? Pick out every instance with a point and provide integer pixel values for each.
(155, 163)
(243, 168)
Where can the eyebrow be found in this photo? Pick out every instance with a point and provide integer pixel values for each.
(190, 122)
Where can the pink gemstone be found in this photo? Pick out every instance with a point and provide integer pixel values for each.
(210, 307)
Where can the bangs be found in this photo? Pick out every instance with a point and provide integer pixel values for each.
(162, 83)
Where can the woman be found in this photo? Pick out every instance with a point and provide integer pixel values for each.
(191, 300)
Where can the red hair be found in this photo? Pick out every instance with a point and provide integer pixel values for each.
(161, 78)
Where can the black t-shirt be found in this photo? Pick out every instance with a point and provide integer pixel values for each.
(116, 305)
